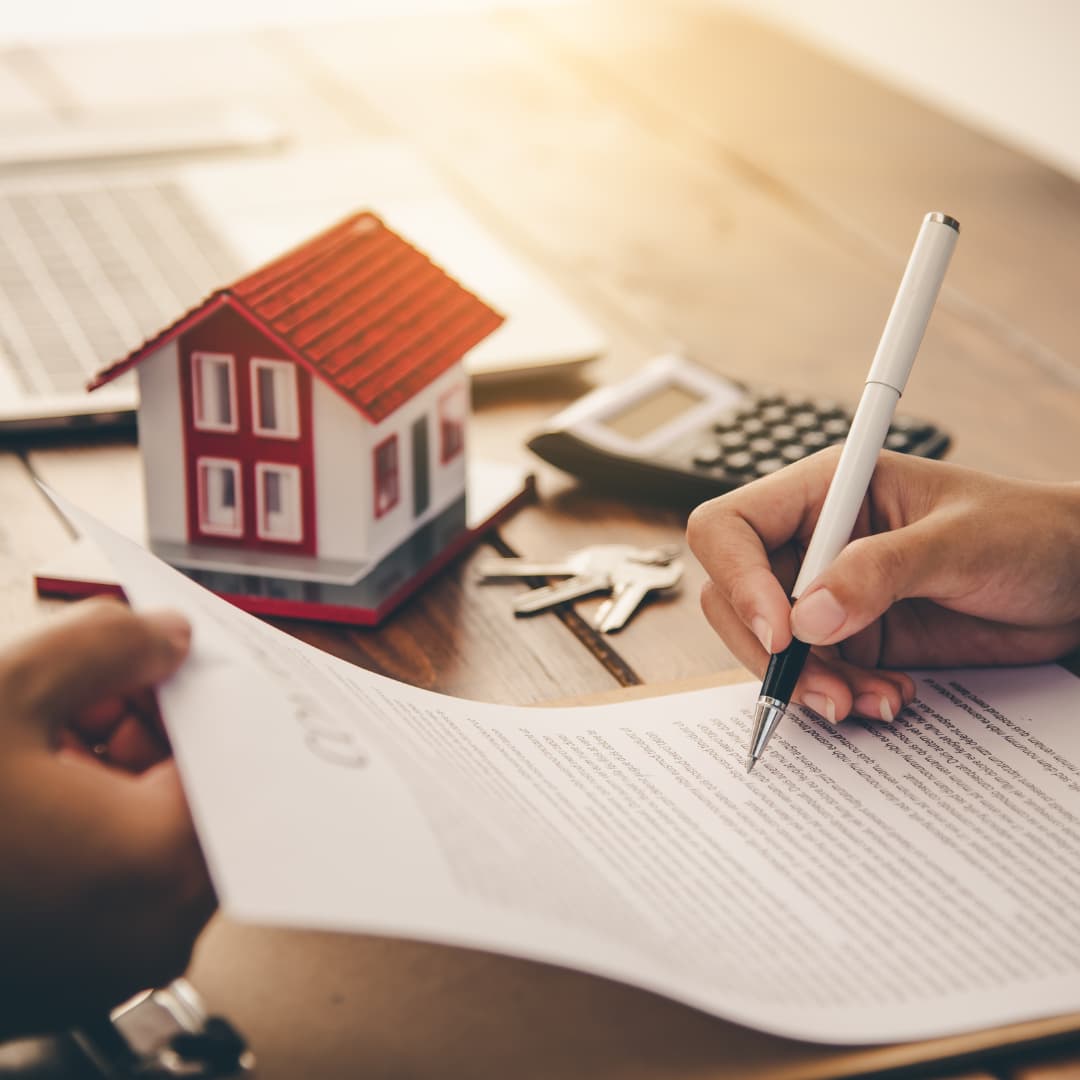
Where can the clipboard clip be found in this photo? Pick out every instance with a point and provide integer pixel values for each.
(165, 1034)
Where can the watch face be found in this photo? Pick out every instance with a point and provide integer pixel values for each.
(653, 411)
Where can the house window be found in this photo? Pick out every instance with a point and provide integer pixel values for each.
(274, 406)
(387, 488)
(277, 503)
(214, 385)
(220, 508)
(452, 412)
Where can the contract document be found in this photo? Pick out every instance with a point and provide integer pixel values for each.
(868, 883)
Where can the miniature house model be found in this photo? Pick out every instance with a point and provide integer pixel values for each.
(308, 419)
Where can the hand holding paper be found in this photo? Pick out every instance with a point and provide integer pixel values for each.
(104, 885)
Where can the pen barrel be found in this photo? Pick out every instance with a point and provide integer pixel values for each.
(784, 670)
(900, 341)
(914, 303)
(850, 482)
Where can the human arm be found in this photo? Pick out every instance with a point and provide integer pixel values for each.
(948, 567)
(104, 886)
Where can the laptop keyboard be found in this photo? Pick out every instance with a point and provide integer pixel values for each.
(87, 273)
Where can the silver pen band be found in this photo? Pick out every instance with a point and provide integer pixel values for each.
(774, 703)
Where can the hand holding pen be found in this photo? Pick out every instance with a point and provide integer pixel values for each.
(884, 385)
(949, 567)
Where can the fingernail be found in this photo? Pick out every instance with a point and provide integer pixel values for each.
(762, 631)
(817, 616)
(173, 626)
(874, 707)
(822, 705)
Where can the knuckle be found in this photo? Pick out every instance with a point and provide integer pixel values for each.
(742, 596)
(880, 565)
(747, 590)
(701, 523)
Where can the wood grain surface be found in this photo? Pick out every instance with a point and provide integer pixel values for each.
(692, 179)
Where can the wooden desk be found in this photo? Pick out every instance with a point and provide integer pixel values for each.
(690, 177)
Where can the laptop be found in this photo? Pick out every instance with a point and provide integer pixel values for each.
(94, 260)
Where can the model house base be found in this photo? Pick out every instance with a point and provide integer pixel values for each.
(494, 492)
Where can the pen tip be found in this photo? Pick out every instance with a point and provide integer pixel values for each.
(750, 763)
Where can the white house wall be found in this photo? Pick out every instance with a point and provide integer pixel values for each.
(341, 447)
(447, 482)
(161, 443)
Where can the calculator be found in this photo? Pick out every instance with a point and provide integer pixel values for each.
(678, 431)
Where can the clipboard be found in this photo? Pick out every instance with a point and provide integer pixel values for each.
(756, 1055)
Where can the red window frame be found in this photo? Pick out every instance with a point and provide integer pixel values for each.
(451, 429)
(386, 465)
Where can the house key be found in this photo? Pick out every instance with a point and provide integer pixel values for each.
(596, 565)
(632, 582)
(588, 570)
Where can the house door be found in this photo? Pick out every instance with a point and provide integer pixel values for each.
(421, 469)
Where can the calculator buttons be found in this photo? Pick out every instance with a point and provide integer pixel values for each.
(739, 462)
(764, 398)
(826, 407)
(708, 456)
(767, 431)
(915, 430)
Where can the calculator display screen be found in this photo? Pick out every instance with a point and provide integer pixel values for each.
(653, 411)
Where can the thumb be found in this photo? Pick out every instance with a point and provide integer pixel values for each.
(865, 580)
(94, 651)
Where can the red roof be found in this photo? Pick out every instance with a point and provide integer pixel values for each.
(359, 307)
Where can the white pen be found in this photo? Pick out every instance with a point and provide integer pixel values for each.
(885, 383)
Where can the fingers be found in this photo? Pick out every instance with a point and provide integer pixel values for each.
(873, 573)
(733, 536)
(123, 732)
(92, 655)
(745, 539)
(829, 685)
